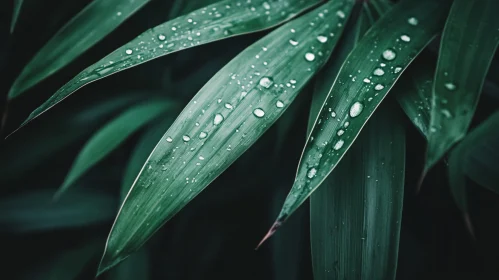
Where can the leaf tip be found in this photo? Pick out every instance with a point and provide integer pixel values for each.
(277, 224)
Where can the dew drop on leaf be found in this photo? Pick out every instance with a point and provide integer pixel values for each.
(322, 39)
(379, 87)
(405, 38)
(389, 54)
(338, 144)
(186, 138)
(169, 139)
(218, 119)
(279, 104)
(367, 81)
(266, 82)
(129, 51)
(228, 106)
(161, 37)
(450, 86)
(397, 69)
(356, 109)
(311, 173)
(340, 132)
(310, 56)
(378, 72)
(203, 135)
(413, 21)
(259, 113)
(293, 42)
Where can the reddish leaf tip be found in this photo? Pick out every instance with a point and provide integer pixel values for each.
(420, 181)
(277, 224)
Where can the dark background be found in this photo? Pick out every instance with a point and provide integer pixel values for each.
(214, 236)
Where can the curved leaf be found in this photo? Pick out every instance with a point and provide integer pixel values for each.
(355, 216)
(218, 21)
(482, 138)
(111, 136)
(15, 14)
(469, 41)
(92, 24)
(225, 117)
(36, 211)
(369, 72)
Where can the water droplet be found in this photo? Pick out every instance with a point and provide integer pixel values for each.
(259, 112)
(340, 14)
(186, 138)
(129, 51)
(169, 139)
(203, 135)
(346, 124)
(293, 42)
(389, 54)
(446, 113)
(311, 173)
(228, 106)
(405, 38)
(378, 72)
(266, 82)
(413, 21)
(279, 104)
(338, 145)
(161, 37)
(340, 132)
(201, 158)
(367, 81)
(333, 114)
(379, 87)
(356, 109)
(322, 39)
(218, 119)
(450, 86)
(292, 82)
(397, 69)
(310, 56)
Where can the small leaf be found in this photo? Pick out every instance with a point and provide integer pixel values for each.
(36, 210)
(141, 152)
(222, 121)
(484, 139)
(369, 72)
(111, 136)
(218, 21)
(468, 44)
(15, 14)
(355, 216)
(92, 24)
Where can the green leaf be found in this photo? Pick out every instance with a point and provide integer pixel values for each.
(15, 14)
(35, 144)
(355, 216)
(108, 138)
(414, 94)
(480, 140)
(36, 210)
(141, 152)
(222, 121)
(369, 72)
(469, 41)
(218, 21)
(92, 24)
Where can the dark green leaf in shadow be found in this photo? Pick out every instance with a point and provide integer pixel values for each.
(368, 73)
(468, 45)
(218, 21)
(356, 213)
(15, 14)
(70, 264)
(83, 31)
(222, 121)
(476, 156)
(36, 210)
(109, 137)
(134, 268)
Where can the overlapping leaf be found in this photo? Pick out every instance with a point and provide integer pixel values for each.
(475, 156)
(227, 116)
(218, 21)
(111, 136)
(355, 215)
(84, 30)
(369, 72)
(469, 42)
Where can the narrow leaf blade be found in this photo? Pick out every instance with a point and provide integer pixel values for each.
(15, 14)
(221, 20)
(92, 24)
(226, 117)
(364, 80)
(469, 41)
(355, 216)
(111, 136)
